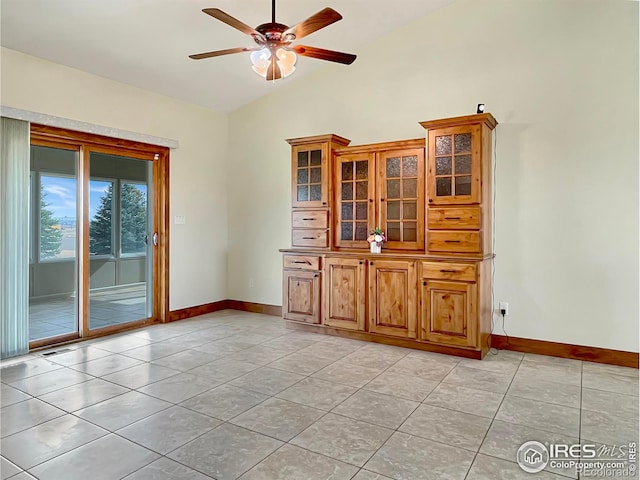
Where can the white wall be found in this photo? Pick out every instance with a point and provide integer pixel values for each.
(560, 76)
(198, 249)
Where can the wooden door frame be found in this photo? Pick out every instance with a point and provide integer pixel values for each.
(85, 143)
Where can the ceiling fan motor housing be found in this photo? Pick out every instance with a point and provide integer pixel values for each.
(273, 32)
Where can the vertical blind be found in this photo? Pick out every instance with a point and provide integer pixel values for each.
(14, 237)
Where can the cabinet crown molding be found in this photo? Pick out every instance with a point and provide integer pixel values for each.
(482, 118)
(329, 137)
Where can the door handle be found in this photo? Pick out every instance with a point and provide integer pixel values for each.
(155, 239)
(146, 239)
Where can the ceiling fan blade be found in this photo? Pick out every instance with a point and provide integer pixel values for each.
(218, 53)
(233, 22)
(322, 54)
(274, 72)
(314, 23)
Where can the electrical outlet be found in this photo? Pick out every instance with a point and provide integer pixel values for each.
(251, 284)
(504, 306)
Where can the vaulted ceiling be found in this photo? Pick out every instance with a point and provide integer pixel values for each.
(146, 43)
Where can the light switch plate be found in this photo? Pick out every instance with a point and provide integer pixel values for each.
(179, 220)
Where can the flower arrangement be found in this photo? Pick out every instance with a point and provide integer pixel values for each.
(377, 236)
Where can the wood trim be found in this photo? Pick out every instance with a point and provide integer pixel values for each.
(197, 310)
(62, 135)
(274, 310)
(224, 305)
(395, 341)
(482, 118)
(382, 146)
(566, 350)
(328, 138)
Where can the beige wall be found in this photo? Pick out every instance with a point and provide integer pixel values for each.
(560, 76)
(198, 249)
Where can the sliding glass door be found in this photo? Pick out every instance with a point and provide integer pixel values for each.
(97, 243)
(120, 240)
(53, 243)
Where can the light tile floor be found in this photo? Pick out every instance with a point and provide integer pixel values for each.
(236, 395)
(53, 317)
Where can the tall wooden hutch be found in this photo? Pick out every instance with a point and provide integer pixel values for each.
(430, 288)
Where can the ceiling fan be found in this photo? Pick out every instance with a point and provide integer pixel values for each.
(275, 57)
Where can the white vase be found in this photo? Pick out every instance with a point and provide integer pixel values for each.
(375, 247)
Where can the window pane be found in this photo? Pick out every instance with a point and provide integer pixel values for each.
(410, 166)
(346, 231)
(443, 145)
(362, 232)
(100, 217)
(443, 186)
(393, 167)
(393, 210)
(362, 170)
(443, 165)
(315, 193)
(463, 185)
(463, 142)
(303, 159)
(316, 157)
(393, 188)
(347, 171)
(57, 217)
(347, 191)
(133, 221)
(347, 211)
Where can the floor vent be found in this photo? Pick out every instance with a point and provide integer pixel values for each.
(56, 352)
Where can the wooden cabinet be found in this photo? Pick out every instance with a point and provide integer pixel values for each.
(380, 185)
(401, 198)
(355, 211)
(430, 288)
(301, 288)
(454, 165)
(392, 298)
(344, 293)
(459, 184)
(311, 175)
(449, 299)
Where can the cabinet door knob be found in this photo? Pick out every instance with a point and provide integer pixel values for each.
(382, 199)
(430, 200)
(360, 262)
(370, 263)
(424, 283)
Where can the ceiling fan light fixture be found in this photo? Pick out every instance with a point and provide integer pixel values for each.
(287, 61)
(261, 59)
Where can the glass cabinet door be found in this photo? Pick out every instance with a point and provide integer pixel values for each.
(401, 198)
(309, 174)
(454, 166)
(355, 208)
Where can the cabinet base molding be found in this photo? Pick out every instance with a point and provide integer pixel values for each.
(396, 342)
(567, 350)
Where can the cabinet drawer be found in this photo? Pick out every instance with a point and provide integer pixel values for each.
(466, 218)
(455, 242)
(301, 262)
(309, 238)
(449, 271)
(313, 219)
